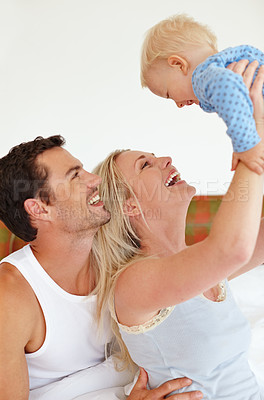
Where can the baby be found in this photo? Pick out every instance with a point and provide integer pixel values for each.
(180, 61)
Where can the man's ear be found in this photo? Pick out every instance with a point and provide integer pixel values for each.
(180, 62)
(131, 208)
(36, 209)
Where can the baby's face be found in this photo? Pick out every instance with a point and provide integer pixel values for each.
(171, 83)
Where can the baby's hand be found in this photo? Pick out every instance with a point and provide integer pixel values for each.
(253, 158)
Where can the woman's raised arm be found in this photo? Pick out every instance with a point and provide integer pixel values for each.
(258, 255)
(152, 284)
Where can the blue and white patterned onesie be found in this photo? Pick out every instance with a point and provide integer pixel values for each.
(203, 340)
(221, 90)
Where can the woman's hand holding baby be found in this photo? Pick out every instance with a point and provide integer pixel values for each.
(253, 158)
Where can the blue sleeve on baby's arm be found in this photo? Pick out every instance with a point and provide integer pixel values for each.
(222, 91)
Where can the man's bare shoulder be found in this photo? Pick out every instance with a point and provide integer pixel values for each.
(12, 282)
(16, 328)
(17, 299)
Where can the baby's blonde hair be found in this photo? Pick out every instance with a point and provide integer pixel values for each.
(173, 35)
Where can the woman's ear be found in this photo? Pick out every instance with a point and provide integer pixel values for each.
(180, 62)
(131, 208)
(36, 209)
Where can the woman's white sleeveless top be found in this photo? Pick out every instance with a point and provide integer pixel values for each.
(200, 339)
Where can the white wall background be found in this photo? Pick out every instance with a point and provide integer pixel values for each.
(71, 67)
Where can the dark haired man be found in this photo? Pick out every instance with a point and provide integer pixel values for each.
(47, 327)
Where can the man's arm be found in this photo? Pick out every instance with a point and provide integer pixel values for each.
(15, 330)
(83, 384)
(89, 380)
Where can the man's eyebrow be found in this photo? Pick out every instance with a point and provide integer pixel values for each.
(75, 168)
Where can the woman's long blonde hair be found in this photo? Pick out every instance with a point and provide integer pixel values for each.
(116, 245)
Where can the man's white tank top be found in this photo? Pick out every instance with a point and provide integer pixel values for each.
(72, 342)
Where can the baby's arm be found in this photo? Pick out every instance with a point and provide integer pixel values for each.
(224, 92)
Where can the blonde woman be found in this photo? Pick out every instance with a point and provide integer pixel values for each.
(172, 303)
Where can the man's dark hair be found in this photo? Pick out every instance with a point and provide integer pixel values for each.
(21, 178)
